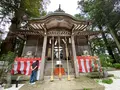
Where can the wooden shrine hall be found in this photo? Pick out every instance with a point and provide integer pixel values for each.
(57, 38)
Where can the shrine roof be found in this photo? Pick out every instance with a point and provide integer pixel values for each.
(57, 23)
(58, 12)
(53, 14)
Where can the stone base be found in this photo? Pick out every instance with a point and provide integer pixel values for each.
(80, 83)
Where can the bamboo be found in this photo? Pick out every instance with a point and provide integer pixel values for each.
(67, 60)
(52, 75)
(60, 75)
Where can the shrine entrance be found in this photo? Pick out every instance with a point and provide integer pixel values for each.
(59, 49)
(59, 60)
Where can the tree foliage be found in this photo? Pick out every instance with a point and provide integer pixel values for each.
(102, 12)
(79, 17)
(105, 15)
(21, 11)
(30, 7)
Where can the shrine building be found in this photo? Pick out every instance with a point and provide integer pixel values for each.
(57, 38)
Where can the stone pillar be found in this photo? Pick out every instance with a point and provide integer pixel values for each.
(42, 65)
(74, 57)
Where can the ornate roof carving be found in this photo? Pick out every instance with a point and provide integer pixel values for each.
(59, 9)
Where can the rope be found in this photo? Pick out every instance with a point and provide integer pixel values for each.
(67, 60)
(52, 76)
(60, 75)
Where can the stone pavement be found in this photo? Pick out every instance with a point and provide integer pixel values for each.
(116, 81)
(82, 83)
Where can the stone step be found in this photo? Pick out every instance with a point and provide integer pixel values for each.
(57, 77)
(47, 72)
(48, 67)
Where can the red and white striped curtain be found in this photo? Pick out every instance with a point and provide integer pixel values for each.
(22, 65)
(88, 64)
(84, 63)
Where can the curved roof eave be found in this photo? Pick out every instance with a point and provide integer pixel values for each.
(56, 14)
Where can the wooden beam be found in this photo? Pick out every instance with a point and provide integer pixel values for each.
(75, 25)
(35, 30)
(44, 28)
(39, 26)
(74, 57)
(59, 33)
(85, 26)
(17, 35)
(42, 64)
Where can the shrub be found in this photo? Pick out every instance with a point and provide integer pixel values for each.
(116, 65)
(9, 57)
(86, 89)
(107, 81)
(106, 60)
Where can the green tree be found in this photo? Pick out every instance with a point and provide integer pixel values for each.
(79, 17)
(105, 15)
(20, 9)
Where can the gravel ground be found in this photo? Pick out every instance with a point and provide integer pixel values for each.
(116, 73)
(114, 86)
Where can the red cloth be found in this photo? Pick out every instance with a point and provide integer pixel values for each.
(85, 63)
(57, 71)
(22, 65)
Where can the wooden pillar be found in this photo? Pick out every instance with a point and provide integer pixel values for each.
(23, 51)
(74, 57)
(42, 65)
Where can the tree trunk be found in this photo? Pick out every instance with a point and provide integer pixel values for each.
(107, 44)
(8, 78)
(9, 43)
(115, 38)
(92, 53)
(21, 48)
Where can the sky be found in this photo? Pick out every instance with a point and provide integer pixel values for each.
(69, 6)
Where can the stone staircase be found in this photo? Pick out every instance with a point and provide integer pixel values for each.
(63, 77)
(48, 67)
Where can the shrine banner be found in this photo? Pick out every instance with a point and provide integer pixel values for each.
(23, 65)
(84, 63)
